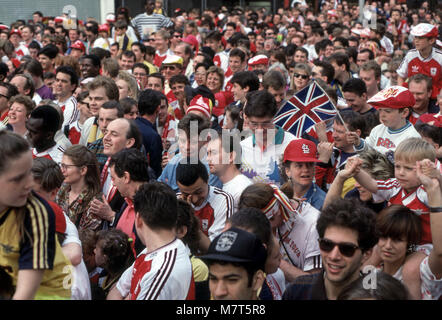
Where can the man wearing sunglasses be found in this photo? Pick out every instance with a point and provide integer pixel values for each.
(346, 237)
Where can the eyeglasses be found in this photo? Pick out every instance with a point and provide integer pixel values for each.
(177, 36)
(150, 40)
(303, 76)
(2, 95)
(65, 166)
(169, 67)
(346, 249)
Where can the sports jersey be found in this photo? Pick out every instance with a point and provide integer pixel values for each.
(159, 58)
(417, 201)
(70, 110)
(164, 274)
(263, 165)
(37, 249)
(299, 242)
(413, 63)
(55, 153)
(221, 60)
(21, 51)
(227, 86)
(431, 287)
(214, 212)
(386, 140)
(90, 131)
(74, 132)
(273, 287)
(235, 187)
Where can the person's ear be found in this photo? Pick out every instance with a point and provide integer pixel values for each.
(130, 142)
(258, 280)
(126, 177)
(358, 132)
(366, 255)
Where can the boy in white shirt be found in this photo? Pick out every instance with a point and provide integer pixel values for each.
(394, 105)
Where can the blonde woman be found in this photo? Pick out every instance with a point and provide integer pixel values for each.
(301, 76)
(127, 85)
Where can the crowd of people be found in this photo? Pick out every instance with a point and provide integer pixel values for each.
(140, 158)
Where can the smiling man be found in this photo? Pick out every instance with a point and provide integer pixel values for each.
(346, 237)
(66, 82)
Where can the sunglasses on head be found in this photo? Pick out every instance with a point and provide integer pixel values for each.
(303, 76)
(346, 249)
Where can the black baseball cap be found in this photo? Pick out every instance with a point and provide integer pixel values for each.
(237, 245)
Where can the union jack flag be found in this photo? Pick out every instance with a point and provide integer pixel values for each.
(306, 108)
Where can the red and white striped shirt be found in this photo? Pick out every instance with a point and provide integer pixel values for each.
(214, 212)
(413, 63)
(55, 153)
(70, 110)
(416, 201)
(164, 274)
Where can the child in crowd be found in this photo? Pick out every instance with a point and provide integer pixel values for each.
(114, 254)
(393, 104)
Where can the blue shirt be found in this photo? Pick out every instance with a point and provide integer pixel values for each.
(152, 143)
(315, 196)
(168, 176)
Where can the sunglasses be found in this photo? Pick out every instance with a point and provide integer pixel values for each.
(169, 67)
(346, 249)
(303, 76)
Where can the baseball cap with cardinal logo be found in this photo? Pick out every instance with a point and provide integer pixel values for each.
(301, 150)
(394, 97)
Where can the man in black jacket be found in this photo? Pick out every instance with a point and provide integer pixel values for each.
(346, 237)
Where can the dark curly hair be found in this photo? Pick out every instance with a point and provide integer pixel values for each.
(116, 246)
(351, 214)
(186, 218)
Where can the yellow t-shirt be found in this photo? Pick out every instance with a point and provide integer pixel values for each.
(200, 269)
(38, 249)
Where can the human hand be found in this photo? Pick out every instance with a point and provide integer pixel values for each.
(352, 168)
(325, 150)
(321, 131)
(428, 174)
(353, 138)
(101, 209)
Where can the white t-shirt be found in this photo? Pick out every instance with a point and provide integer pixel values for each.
(81, 286)
(263, 166)
(383, 139)
(235, 187)
(276, 284)
(300, 245)
(164, 274)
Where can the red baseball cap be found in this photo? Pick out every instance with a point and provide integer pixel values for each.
(301, 150)
(394, 97)
(103, 28)
(78, 45)
(15, 31)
